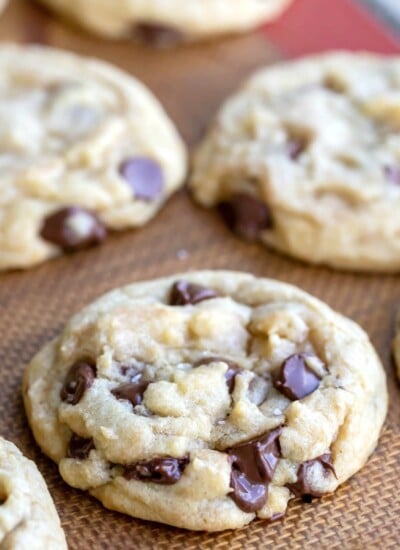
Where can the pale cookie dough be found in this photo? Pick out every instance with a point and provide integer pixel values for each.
(306, 157)
(207, 399)
(28, 518)
(84, 148)
(164, 22)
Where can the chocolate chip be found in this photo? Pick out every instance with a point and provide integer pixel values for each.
(80, 377)
(246, 215)
(131, 391)
(157, 35)
(392, 173)
(73, 228)
(302, 487)
(296, 380)
(184, 293)
(165, 471)
(296, 147)
(248, 496)
(230, 377)
(79, 447)
(253, 466)
(231, 373)
(144, 176)
(130, 372)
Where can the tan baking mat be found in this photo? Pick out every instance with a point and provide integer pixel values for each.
(34, 305)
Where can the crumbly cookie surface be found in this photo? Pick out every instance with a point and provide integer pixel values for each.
(84, 148)
(28, 518)
(207, 399)
(165, 22)
(306, 157)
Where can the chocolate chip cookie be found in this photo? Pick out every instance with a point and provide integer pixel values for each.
(28, 518)
(306, 158)
(207, 399)
(84, 149)
(166, 23)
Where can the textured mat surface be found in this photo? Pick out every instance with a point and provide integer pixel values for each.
(34, 305)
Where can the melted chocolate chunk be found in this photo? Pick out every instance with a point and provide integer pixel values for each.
(248, 496)
(157, 35)
(144, 176)
(302, 487)
(296, 380)
(79, 447)
(131, 391)
(392, 173)
(246, 215)
(184, 293)
(73, 228)
(165, 471)
(130, 372)
(253, 466)
(80, 377)
(231, 373)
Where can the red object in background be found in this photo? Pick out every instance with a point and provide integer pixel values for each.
(311, 26)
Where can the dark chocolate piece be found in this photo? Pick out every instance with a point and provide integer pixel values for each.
(130, 372)
(302, 488)
(160, 36)
(59, 228)
(246, 215)
(131, 391)
(80, 377)
(144, 176)
(296, 380)
(296, 147)
(253, 466)
(79, 447)
(165, 471)
(184, 293)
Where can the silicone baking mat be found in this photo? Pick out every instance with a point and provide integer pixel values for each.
(191, 82)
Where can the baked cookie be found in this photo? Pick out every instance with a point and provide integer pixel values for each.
(28, 518)
(207, 399)
(167, 22)
(306, 157)
(84, 148)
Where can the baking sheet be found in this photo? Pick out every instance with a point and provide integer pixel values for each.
(191, 82)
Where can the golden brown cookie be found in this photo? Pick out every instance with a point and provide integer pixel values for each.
(84, 149)
(28, 518)
(207, 399)
(306, 158)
